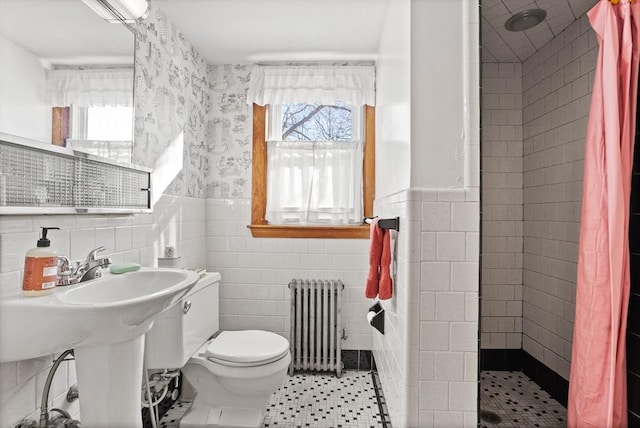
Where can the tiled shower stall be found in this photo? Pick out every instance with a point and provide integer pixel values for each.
(535, 116)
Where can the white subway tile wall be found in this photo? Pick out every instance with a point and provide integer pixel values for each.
(254, 291)
(396, 353)
(136, 238)
(502, 206)
(427, 359)
(448, 328)
(556, 99)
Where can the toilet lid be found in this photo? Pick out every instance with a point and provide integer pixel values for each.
(247, 346)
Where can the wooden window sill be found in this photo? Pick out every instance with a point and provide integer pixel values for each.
(325, 232)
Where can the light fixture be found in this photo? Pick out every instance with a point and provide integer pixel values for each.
(526, 19)
(128, 11)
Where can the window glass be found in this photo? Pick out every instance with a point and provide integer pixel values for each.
(316, 122)
(105, 131)
(110, 123)
(309, 189)
(314, 172)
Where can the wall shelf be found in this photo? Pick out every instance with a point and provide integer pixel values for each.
(38, 178)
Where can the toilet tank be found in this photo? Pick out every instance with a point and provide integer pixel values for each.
(178, 332)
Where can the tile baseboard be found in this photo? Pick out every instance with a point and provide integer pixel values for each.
(357, 359)
(550, 381)
(518, 359)
(501, 359)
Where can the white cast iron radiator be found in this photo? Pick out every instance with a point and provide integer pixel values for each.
(316, 325)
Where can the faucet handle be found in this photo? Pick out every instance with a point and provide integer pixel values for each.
(65, 265)
(66, 271)
(104, 262)
(92, 254)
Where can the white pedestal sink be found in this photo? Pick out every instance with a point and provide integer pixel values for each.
(104, 321)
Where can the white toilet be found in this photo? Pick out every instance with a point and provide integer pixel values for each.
(233, 374)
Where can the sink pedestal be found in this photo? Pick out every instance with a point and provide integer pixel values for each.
(109, 379)
(104, 320)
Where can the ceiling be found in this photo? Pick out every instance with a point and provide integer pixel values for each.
(65, 32)
(501, 45)
(250, 31)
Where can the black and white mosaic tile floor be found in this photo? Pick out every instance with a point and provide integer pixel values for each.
(517, 401)
(315, 400)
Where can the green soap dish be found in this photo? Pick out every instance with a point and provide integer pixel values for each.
(124, 268)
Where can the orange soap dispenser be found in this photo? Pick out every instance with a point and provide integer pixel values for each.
(40, 268)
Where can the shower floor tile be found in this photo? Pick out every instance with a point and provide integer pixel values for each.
(315, 400)
(518, 401)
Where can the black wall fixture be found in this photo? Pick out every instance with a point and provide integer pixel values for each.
(386, 223)
(377, 321)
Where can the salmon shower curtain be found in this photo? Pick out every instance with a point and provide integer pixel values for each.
(598, 387)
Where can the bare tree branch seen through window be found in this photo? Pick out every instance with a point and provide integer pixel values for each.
(316, 122)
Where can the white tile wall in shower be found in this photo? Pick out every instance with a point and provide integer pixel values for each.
(129, 238)
(428, 357)
(256, 272)
(557, 93)
(502, 206)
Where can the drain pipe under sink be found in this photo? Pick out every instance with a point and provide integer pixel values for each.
(44, 412)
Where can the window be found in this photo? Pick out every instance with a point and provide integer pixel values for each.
(314, 154)
(105, 131)
(93, 110)
(323, 226)
(313, 150)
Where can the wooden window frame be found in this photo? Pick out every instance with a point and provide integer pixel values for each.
(259, 226)
(59, 125)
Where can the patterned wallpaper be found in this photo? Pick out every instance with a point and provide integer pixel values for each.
(176, 91)
(229, 129)
(171, 97)
(228, 133)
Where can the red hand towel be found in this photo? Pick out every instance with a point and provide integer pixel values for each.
(385, 290)
(375, 252)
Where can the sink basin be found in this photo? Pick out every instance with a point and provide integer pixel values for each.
(126, 289)
(110, 309)
(104, 321)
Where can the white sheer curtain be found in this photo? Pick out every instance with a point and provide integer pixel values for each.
(310, 84)
(90, 87)
(314, 182)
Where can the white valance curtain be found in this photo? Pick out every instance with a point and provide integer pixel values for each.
(90, 87)
(327, 85)
(314, 182)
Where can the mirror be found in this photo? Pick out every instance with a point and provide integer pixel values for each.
(60, 53)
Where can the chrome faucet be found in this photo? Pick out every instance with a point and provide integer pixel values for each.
(74, 272)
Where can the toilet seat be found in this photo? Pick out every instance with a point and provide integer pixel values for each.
(246, 348)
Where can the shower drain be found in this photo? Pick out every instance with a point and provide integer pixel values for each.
(490, 417)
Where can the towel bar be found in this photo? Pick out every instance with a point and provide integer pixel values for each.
(386, 223)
